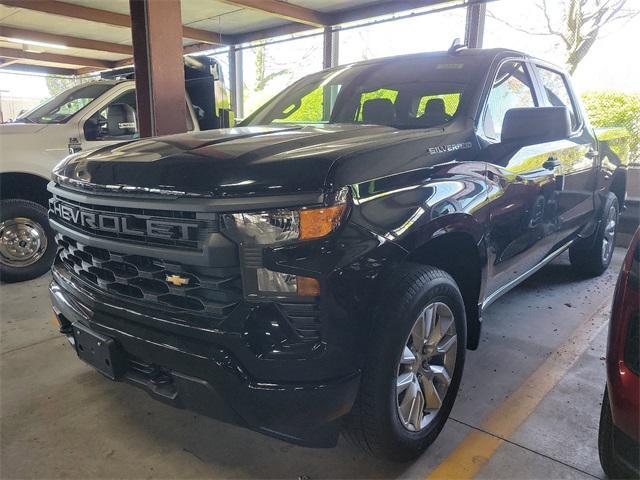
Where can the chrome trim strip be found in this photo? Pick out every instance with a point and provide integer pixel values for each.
(505, 288)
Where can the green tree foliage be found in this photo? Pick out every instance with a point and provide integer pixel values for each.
(451, 102)
(311, 108)
(616, 109)
(55, 85)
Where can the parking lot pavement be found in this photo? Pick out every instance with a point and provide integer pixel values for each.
(59, 418)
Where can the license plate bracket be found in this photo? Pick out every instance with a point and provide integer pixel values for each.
(101, 352)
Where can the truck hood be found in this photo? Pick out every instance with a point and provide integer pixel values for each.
(20, 128)
(249, 160)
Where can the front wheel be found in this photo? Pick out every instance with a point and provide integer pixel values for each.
(414, 364)
(27, 247)
(591, 256)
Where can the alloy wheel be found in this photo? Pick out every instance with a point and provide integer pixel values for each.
(426, 366)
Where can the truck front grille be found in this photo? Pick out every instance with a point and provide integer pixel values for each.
(152, 280)
(155, 227)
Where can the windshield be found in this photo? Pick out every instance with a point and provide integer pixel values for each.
(408, 94)
(62, 107)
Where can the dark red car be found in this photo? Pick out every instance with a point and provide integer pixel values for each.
(620, 418)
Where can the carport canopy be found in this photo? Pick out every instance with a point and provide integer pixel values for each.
(75, 37)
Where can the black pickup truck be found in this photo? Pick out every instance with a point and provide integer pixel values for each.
(326, 263)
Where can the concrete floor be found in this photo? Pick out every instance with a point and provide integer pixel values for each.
(59, 418)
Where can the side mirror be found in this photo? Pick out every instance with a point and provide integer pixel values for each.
(91, 129)
(528, 126)
(215, 71)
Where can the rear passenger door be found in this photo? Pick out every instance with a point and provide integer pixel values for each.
(576, 156)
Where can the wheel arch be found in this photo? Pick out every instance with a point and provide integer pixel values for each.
(460, 255)
(25, 186)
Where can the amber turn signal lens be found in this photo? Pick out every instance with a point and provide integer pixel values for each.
(308, 287)
(319, 222)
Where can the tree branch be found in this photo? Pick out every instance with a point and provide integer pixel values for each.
(516, 27)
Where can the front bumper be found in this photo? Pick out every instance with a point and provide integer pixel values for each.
(205, 375)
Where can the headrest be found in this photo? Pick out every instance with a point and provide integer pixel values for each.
(379, 111)
(121, 119)
(434, 107)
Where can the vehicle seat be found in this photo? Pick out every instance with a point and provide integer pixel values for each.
(121, 120)
(379, 111)
(434, 113)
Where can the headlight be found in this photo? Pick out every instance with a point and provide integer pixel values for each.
(254, 231)
(264, 228)
(275, 226)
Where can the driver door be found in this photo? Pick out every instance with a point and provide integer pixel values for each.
(113, 122)
(524, 184)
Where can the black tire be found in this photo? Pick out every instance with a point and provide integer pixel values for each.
(588, 255)
(12, 269)
(375, 422)
(606, 447)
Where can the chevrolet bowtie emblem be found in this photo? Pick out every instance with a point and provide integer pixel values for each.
(177, 280)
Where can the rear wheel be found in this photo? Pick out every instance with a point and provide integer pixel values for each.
(414, 365)
(26, 241)
(591, 256)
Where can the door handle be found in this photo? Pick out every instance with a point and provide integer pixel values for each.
(552, 163)
(591, 153)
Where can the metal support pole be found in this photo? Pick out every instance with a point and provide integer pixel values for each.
(237, 82)
(232, 78)
(330, 47)
(156, 30)
(474, 31)
(330, 44)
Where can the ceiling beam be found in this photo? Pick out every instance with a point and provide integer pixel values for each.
(288, 29)
(102, 16)
(31, 69)
(55, 58)
(384, 8)
(288, 11)
(74, 42)
(196, 48)
(6, 62)
(125, 62)
(85, 70)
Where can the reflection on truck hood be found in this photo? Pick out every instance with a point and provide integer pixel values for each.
(249, 160)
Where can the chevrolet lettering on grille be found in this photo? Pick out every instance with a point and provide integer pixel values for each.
(120, 224)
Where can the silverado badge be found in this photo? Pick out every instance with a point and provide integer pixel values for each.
(177, 280)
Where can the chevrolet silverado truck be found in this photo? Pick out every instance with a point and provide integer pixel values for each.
(324, 265)
(84, 117)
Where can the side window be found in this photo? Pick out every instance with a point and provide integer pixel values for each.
(557, 92)
(511, 89)
(116, 121)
